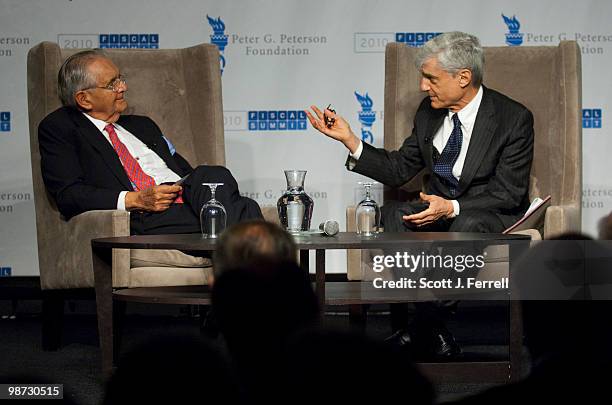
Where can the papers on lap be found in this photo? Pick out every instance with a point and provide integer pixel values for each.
(533, 218)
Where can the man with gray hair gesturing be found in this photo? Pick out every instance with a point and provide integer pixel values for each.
(476, 143)
(95, 158)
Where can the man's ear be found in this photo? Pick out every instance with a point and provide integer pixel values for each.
(465, 77)
(82, 100)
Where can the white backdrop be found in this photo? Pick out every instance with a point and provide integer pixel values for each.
(280, 57)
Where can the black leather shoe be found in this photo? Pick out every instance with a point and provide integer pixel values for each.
(435, 345)
(404, 340)
(444, 345)
(401, 338)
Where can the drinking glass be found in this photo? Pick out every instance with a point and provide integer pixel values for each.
(213, 216)
(367, 214)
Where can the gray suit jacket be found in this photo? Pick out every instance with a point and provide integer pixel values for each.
(495, 175)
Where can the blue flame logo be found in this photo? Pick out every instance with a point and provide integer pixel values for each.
(513, 37)
(218, 37)
(366, 117)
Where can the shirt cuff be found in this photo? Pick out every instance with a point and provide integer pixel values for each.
(121, 201)
(358, 152)
(354, 157)
(455, 208)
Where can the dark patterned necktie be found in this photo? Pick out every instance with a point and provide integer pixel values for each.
(443, 165)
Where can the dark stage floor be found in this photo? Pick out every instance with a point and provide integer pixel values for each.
(482, 330)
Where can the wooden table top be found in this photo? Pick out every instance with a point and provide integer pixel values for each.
(343, 240)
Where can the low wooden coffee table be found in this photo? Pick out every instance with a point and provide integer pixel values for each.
(339, 293)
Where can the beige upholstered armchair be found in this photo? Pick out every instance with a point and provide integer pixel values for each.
(546, 79)
(180, 89)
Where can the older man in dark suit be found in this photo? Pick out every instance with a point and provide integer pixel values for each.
(476, 143)
(92, 157)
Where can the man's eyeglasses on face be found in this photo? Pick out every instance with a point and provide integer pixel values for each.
(115, 85)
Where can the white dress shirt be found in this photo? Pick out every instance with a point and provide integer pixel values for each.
(467, 117)
(149, 161)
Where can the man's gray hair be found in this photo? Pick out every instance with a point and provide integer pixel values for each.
(454, 51)
(74, 75)
(251, 242)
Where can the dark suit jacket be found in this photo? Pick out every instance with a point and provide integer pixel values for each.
(81, 169)
(495, 175)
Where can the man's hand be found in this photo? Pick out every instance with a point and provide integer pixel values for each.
(340, 130)
(154, 199)
(438, 208)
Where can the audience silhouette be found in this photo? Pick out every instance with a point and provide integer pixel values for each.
(173, 370)
(568, 340)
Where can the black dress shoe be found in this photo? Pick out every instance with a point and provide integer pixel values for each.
(435, 345)
(444, 345)
(401, 338)
(413, 342)
(404, 340)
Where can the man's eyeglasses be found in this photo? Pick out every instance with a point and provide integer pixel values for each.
(115, 85)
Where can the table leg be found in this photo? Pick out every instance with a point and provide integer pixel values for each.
(103, 281)
(515, 252)
(516, 340)
(305, 260)
(320, 278)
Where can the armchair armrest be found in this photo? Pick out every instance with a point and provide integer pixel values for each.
(270, 214)
(351, 225)
(533, 233)
(73, 267)
(562, 218)
(353, 256)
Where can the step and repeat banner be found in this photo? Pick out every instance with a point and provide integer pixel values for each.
(278, 57)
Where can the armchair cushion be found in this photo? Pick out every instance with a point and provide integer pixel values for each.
(168, 276)
(165, 258)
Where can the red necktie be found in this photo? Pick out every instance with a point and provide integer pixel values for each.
(139, 179)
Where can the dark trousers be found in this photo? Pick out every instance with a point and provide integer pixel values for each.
(431, 315)
(185, 218)
(467, 221)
